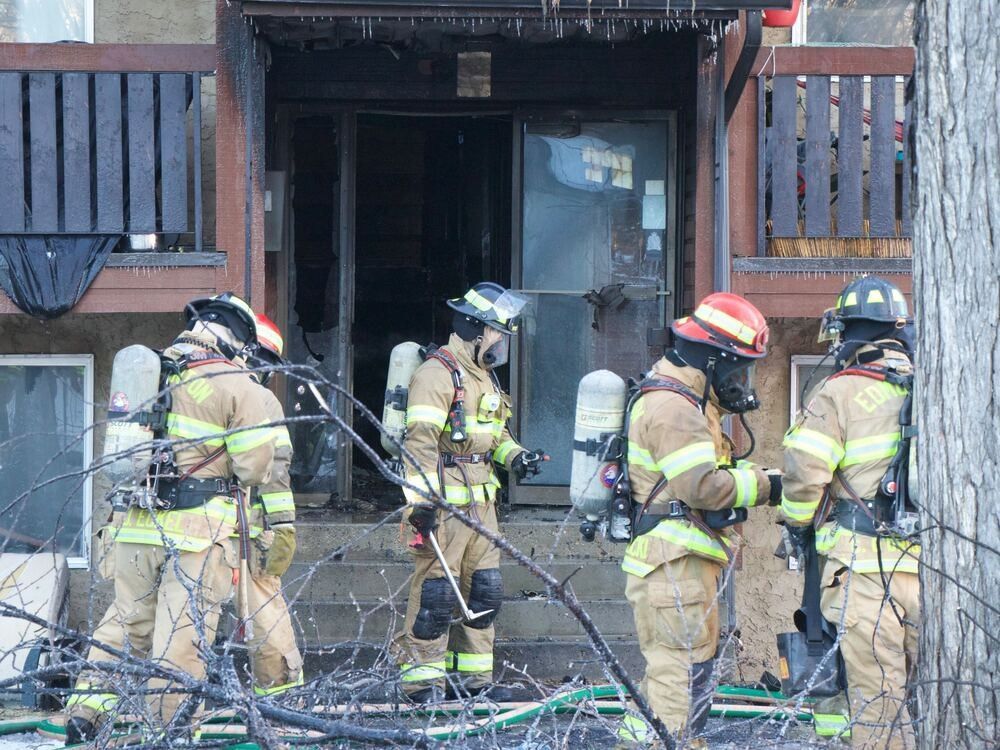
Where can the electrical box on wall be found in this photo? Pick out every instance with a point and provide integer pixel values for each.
(274, 211)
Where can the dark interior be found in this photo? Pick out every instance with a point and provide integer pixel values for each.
(433, 217)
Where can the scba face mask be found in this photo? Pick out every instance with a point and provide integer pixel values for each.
(497, 354)
(733, 384)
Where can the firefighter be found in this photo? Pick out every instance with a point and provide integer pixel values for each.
(275, 659)
(690, 492)
(842, 446)
(175, 563)
(456, 431)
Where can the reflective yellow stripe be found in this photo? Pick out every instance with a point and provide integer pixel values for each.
(429, 414)
(279, 688)
(481, 428)
(746, 487)
(636, 567)
(798, 510)
(633, 729)
(247, 440)
(687, 458)
(171, 527)
(473, 662)
(422, 672)
(456, 495)
(281, 437)
(101, 702)
(831, 725)
(504, 450)
(694, 539)
(641, 457)
(478, 301)
(180, 427)
(898, 555)
(735, 328)
(874, 448)
(277, 502)
(875, 295)
(816, 444)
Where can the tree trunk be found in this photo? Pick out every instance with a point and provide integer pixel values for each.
(957, 299)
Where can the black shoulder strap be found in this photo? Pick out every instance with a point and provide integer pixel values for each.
(671, 385)
(811, 599)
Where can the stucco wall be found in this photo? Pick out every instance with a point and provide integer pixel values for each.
(102, 336)
(767, 592)
(170, 22)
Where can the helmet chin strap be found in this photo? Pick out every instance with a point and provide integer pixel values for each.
(709, 377)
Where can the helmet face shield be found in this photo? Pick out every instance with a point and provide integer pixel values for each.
(508, 307)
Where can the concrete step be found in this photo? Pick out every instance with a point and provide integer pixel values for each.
(539, 534)
(375, 621)
(551, 659)
(350, 579)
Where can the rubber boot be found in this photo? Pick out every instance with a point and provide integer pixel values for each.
(432, 694)
(79, 730)
(701, 698)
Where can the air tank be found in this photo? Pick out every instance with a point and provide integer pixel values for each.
(403, 362)
(135, 383)
(600, 418)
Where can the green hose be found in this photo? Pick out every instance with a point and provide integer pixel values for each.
(561, 703)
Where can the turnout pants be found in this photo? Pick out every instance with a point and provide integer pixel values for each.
(166, 609)
(274, 656)
(433, 641)
(878, 650)
(677, 623)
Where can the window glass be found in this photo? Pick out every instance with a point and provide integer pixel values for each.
(808, 372)
(45, 420)
(595, 217)
(45, 20)
(879, 22)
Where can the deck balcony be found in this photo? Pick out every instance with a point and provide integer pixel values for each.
(829, 178)
(102, 148)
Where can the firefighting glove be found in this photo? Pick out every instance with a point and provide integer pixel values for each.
(423, 518)
(282, 550)
(528, 462)
(774, 498)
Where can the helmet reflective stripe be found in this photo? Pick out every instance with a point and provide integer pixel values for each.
(726, 322)
(478, 301)
(875, 295)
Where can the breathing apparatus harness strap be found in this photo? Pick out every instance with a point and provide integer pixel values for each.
(175, 491)
(647, 517)
(456, 415)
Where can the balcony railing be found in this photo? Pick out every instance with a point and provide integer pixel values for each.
(85, 152)
(101, 148)
(833, 167)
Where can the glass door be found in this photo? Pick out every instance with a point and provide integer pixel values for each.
(597, 207)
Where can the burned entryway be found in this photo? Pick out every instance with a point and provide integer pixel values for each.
(422, 157)
(432, 218)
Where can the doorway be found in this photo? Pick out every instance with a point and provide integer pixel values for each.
(432, 217)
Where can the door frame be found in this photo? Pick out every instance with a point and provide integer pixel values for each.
(534, 494)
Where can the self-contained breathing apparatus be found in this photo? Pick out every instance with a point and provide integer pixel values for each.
(891, 512)
(615, 514)
(141, 460)
(403, 363)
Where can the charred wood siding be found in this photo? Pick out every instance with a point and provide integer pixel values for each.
(624, 76)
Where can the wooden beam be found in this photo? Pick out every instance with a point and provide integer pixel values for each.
(834, 61)
(115, 58)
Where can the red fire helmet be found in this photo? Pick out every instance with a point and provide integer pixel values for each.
(727, 322)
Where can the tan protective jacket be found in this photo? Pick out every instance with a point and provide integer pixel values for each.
(215, 406)
(276, 496)
(851, 424)
(428, 434)
(670, 437)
